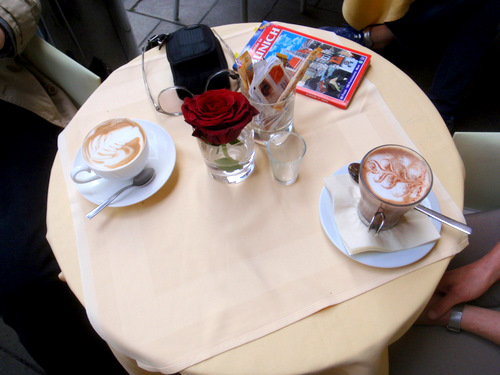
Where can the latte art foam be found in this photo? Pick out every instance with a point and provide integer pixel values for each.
(396, 175)
(114, 144)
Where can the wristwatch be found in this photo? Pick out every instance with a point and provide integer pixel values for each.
(456, 318)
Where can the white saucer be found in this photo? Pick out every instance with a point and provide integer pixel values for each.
(374, 258)
(161, 158)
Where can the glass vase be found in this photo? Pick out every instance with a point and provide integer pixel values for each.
(230, 162)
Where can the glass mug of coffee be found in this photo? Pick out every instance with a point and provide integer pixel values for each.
(393, 179)
(114, 149)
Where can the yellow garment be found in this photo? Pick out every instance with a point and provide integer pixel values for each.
(362, 13)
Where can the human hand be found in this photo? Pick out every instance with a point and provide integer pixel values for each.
(2, 38)
(441, 320)
(476, 320)
(459, 285)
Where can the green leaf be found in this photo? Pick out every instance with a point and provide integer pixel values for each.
(228, 164)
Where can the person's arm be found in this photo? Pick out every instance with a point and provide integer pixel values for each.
(6, 45)
(462, 285)
(482, 322)
(476, 320)
(18, 20)
(2, 39)
(466, 283)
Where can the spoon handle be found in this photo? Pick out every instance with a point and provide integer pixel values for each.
(99, 208)
(444, 219)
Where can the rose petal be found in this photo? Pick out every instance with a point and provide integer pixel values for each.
(218, 116)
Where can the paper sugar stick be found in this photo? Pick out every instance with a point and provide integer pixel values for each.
(299, 74)
(245, 70)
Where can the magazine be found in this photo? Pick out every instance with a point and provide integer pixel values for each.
(332, 77)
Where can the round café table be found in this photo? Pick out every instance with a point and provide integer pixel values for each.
(348, 338)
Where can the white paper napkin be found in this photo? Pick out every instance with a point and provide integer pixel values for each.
(413, 230)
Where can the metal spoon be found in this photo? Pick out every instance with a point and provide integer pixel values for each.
(142, 179)
(354, 172)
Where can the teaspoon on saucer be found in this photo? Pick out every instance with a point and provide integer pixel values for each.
(142, 179)
(354, 172)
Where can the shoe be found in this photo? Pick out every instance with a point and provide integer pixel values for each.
(351, 33)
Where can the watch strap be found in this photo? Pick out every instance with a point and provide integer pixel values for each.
(456, 318)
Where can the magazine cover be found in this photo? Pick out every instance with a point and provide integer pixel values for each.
(332, 77)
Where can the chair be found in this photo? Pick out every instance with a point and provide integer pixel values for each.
(76, 80)
(480, 152)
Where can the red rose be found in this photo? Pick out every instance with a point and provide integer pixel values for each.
(218, 116)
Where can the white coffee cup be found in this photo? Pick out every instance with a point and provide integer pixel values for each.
(115, 149)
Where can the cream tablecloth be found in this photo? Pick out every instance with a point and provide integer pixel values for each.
(204, 270)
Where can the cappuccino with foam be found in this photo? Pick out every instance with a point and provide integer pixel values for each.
(113, 144)
(115, 149)
(393, 179)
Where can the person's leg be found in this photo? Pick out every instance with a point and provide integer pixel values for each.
(27, 156)
(463, 56)
(436, 350)
(484, 236)
(53, 327)
(431, 22)
(49, 320)
(427, 21)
